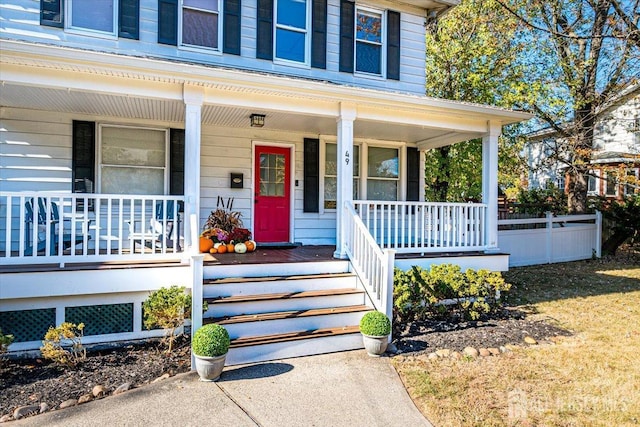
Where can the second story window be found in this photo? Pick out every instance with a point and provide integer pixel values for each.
(291, 30)
(369, 41)
(200, 23)
(99, 16)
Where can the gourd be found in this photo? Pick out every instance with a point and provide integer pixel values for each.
(240, 248)
(205, 244)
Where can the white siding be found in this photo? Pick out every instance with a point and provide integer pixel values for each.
(616, 132)
(21, 22)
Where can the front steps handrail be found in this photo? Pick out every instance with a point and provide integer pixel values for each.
(373, 265)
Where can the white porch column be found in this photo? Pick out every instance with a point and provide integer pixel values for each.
(193, 99)
(345, 171)
(490, 184)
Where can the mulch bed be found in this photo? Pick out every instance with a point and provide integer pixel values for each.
(509, 327)
(34, 381)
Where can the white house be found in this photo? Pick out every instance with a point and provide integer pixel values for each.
(120, 117)
(616, 142)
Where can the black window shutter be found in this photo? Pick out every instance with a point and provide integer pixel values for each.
(311, 175)
(264, 36)
(51, 13)
(393, 45)
(231, 23)
(413, 174)
(176, 162)
(128, 19)
(168, 22)
(83, 155)
(319, 34)
(347, 10)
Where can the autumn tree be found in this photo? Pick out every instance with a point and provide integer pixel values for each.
(470, 57)
(581, 54)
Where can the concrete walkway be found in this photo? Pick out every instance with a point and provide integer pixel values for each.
(341, 389)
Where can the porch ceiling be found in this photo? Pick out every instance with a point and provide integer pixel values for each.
(117, 107)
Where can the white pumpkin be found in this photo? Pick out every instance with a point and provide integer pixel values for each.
(240, 248)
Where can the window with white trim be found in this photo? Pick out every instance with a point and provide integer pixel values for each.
(611, 185)
(292, 23)
(96, 16)
(592, 183)
(369, 40)
(382, 173)
(132, 160)
(200, 24)
(331, 174)
(632, 181)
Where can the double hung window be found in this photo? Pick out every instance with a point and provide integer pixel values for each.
(292, 23)
(369, 41)
(200, 23)
(97, 16)
(132, 160)
(382, 173)
(331, 175)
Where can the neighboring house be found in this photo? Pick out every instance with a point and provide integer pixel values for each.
(616, 142)
(125, 121)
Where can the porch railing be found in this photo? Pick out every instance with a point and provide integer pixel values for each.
(373, 265)
(37, 227)
(423, 227)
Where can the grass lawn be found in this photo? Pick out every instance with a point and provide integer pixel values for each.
(589, 379)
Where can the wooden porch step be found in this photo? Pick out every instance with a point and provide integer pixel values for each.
(292, 336)
(283, 296)
(274, 278)
(246, 318)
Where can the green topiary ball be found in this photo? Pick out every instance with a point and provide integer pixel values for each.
(210, 341)
(375, 323)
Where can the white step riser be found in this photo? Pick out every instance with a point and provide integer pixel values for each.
(281, 326)
(276, 269)
(279, 286)
(253, 307)
(261, 353)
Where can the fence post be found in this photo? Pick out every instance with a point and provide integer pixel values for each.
(598, 234)
(387, 297)
(549, 237)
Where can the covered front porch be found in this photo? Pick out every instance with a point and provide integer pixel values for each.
(350, 154)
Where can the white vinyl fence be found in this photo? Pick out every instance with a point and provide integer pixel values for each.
(550, 239)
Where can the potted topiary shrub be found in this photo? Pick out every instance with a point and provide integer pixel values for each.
(210, 346)
(375, 328)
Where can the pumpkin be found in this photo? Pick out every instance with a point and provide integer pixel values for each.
(240, 248)
(231, 248)
(251, 245)
(213, 250)
(222, 249)
(205, 244)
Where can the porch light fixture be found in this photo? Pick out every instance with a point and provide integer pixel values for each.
(257, 120)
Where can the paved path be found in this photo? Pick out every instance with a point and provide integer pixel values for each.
(341, 389)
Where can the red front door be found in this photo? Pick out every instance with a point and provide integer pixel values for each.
(272, 198)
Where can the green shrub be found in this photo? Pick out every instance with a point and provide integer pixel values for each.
(210, 341)
(5, 342)
(375, 323)
(167, 308)
(445, 291)
(53, 346)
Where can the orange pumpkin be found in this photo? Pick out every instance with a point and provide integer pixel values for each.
(231, 248)
(222, 249)
(213, 250)
(250, 246)
(205, 244)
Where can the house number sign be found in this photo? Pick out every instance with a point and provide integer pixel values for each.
(346, 157)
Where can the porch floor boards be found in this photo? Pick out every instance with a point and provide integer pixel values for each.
(303, 253)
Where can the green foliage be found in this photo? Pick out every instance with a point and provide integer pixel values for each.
(537, 201)
(210, 341)
(66, 335)
(445, 291)
(625, 216)
(470, 58)
(375, 323)
(167, 308)
(5, 342)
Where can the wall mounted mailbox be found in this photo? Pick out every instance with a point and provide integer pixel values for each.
(236, 180)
